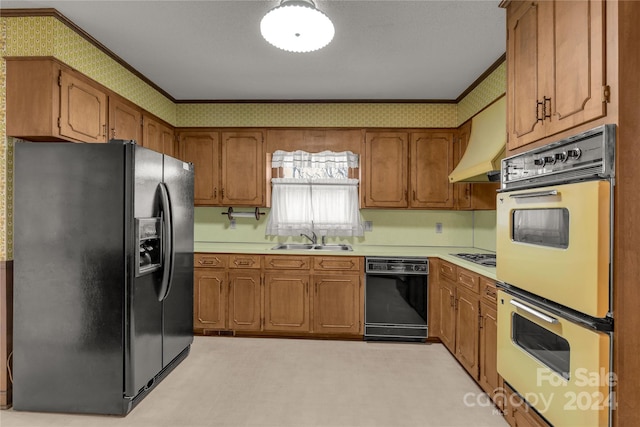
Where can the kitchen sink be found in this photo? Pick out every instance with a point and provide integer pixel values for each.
(311, 247)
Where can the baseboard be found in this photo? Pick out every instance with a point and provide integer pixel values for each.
(6, 331)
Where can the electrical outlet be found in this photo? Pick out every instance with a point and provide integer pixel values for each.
(438, 228)
(368, 226)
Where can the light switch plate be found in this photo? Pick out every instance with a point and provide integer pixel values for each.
(438, 228)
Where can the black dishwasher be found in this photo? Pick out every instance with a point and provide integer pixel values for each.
(396, 299)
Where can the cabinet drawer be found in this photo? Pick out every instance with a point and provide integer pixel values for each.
(448, 270)
(469, 280)
(488, 290)
(336, 263)
(244, 261)
(286, 262)
(209, 260)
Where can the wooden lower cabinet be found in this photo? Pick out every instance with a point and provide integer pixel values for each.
(244, 300)
(336, 304)
(288, 294)
(467, 326)
(209, 299)
(447, 314)
(518, 413)
(286, 302)
(488, 378)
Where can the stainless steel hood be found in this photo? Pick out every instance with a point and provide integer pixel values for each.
(487, 144)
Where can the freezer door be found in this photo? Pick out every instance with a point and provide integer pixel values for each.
(143, 350)
(178, 301)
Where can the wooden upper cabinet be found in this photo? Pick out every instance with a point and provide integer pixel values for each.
(524, 58)
(158, 136)
(431, 163)
(555, 63)
(47, 101)
(243, 168)
(203, 150)
(386, 167)
(125, 120)
(83, 109)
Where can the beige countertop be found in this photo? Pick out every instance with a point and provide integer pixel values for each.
(443, 252)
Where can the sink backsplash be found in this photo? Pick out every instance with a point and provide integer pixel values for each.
(390, 227)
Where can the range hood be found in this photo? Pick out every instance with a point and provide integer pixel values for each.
(487, 145)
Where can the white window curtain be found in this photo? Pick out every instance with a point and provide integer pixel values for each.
(316, 195)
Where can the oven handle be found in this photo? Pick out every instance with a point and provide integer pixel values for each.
(535, 194)
(535, 312)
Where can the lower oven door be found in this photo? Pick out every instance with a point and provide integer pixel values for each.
(559, 367)
(554, 241)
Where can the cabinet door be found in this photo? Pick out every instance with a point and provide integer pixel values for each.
(243, 163)
(525, 51)
(202, 149)
(431, 164)
(447, 314)
(286, 302)
(489, 378)
(83, 110)
(577, 66)
(125, 120)
(157, 136)
(209, 299)
(336, 304)
(168, 141)
(467, 324)
(244, 300)
(386, 168)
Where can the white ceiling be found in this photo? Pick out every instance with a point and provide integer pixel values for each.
(213, 50)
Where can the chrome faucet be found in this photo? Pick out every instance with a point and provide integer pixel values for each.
(313, 238)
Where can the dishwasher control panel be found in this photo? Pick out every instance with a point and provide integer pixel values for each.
(397, 265)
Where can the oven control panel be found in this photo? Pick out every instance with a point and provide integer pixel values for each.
(589, 155)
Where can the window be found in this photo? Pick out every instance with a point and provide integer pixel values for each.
(314, 194)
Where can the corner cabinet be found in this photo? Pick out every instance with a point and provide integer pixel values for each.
(555, 67)
(408, 169)
(229, 166)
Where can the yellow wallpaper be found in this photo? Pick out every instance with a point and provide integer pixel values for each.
(320, 115)
(47, 36)
(494, 86)
(6, 162)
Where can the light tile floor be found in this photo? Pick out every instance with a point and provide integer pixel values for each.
(265, 382)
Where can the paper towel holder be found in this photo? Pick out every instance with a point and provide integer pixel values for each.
(233, 215)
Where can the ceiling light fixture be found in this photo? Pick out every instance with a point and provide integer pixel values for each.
(297, 26)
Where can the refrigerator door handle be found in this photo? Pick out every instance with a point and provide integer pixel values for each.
(168, 254)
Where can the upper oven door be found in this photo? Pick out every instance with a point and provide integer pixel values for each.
(559, 367)
(555, 242)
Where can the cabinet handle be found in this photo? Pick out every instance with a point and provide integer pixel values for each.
(113, 133)
(452, 301)
(215, 192)
(539, 111)
(222, 193)
(414, 195)
(205, 262)
(104, 131)
(546, 113)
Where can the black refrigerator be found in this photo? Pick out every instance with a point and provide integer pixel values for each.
(103, 274)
